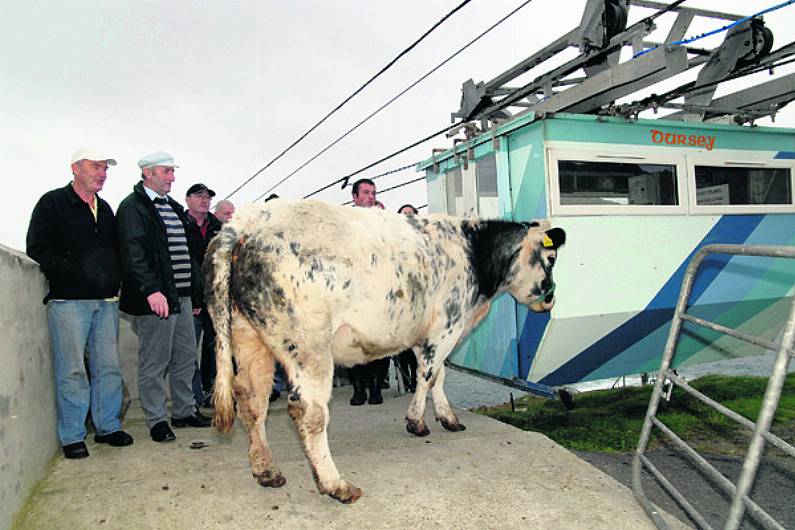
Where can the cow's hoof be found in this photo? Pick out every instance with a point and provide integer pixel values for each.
(453, 427)
(346, 493)
(417, 429)
(271, 479)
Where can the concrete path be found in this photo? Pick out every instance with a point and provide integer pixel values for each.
(490, 476)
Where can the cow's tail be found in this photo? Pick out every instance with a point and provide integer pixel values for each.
(217, 271)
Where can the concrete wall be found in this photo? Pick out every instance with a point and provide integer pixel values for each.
(27, 392)
(28, 437)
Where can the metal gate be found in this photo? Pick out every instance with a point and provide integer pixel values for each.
(761, 429)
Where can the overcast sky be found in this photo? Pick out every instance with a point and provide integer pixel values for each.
(226, 85)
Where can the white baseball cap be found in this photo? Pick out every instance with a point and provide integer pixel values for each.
(93, 154)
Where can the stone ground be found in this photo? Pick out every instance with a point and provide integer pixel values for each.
(491, 475)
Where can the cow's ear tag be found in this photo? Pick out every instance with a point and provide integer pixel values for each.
(553, 238)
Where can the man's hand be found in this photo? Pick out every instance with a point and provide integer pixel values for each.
(158, 304)
(197, 311)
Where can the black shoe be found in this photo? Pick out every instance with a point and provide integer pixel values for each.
(359, 396)
(115, 439)
(207, 402)
(196, 419)
(161, 432)
(75, 450)
(375, 396)
(275, 394)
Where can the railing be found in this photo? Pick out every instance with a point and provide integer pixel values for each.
(761, 429)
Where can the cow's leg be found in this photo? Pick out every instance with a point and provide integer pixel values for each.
(415, 416)
(307, 404)
(252, 389)
(444, 412)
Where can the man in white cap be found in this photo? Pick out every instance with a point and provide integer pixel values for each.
(160, 287)
(72, 235)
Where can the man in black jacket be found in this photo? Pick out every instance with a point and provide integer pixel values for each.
(72, 235)
(202, 226)
(160, 287)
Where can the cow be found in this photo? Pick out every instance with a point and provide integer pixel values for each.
(310, 284)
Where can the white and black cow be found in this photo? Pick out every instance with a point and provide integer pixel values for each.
(311, 285)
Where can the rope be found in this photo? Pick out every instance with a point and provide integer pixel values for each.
(715, 31)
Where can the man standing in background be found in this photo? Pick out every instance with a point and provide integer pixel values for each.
(161, 284)
(367, 376)
(72, 235)
(202, 226)
(224, 210)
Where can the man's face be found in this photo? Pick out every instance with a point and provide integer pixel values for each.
(159, 179)
(224, 212)
(198, 203)
(407, 210)
(366, 196)
(90, 175)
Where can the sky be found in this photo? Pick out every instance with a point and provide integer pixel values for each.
(225, 86)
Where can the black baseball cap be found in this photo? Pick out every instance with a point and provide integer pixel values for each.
(198, 188)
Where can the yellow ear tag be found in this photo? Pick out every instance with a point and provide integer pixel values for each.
(547, 242)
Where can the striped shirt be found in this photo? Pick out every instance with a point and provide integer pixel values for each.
(177, 246)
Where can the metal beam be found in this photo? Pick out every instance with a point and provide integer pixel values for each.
(762, 99)
(619, 81)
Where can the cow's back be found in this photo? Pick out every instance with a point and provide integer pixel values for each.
(376, 272)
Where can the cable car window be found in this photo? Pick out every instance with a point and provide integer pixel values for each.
(486, 174)
(616, 183)
(717, 185)
(455, 192)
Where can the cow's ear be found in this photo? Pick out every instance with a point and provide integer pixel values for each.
(554, 238)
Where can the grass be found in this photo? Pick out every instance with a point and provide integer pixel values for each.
(611, 420)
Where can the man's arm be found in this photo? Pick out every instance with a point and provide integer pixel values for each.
(42, 243)
(132, 245)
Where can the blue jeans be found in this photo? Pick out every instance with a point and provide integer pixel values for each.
(77, 326)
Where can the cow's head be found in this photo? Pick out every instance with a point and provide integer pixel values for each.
(531, 274)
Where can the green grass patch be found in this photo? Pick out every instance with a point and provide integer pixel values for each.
(611, 420)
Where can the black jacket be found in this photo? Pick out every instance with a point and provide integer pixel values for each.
(194, 233)
(193, 230)
(79, 256)
(146, 262)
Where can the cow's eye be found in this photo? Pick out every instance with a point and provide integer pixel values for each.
(552, 260)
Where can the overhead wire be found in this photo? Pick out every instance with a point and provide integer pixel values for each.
(391, 171)
(393, 99)
(355, 93)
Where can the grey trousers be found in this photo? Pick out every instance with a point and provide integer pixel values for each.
(167, 347)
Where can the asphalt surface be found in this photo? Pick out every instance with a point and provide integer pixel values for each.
(774, 488)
